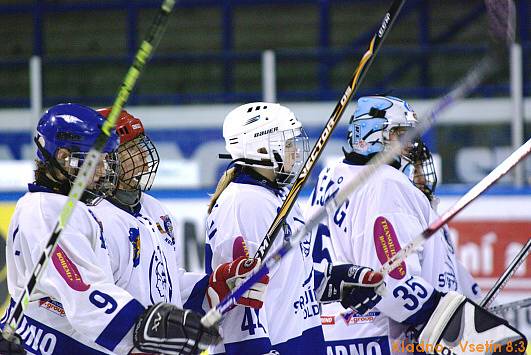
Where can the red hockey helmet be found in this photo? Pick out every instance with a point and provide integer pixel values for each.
(139, 158)
(128, 126)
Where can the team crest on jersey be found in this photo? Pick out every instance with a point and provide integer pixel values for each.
(160, 281)
(52, 306)
(166, 230)
(134, 238)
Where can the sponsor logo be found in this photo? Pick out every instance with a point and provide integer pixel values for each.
(359, 346)
(37, 338)
(68, 270)
(134, 238)
(383, 27)
(307, 305)
(52, 306)
(387, 245)
(239, 248)
(156, 322)
(267, 131)
(328, 320)
(357, 318)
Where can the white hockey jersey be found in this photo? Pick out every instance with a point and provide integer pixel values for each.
(289, 322)
(76, 308)
(145, 257)
(378, 219)
(139, 256)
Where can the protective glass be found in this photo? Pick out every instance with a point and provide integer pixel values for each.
(139, 161)
(290, 151)
(418, 166)
(105, 178)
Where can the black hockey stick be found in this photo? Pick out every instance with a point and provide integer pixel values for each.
(355, 81)
(506, 276)
(91, 161)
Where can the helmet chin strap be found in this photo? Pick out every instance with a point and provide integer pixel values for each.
(259, 163)
(51, 161)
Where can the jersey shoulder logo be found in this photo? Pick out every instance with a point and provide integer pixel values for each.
(166, 229)
(134, 238)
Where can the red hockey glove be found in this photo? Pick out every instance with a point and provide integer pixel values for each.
(228, 276)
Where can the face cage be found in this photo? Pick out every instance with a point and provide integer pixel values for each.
(139, 162)
(107, 170)
(290, 150)
(420, 169)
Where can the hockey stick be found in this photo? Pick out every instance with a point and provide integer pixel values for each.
(355, 81)
(506, 276)
(88, 168)
(502, 308)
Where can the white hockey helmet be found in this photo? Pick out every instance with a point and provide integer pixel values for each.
(266, 135)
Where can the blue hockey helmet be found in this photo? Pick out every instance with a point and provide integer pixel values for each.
(374, 119)
(71, 126)
(75, 128)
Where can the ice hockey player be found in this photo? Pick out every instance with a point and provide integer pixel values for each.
(268, 146)
(370, 227)
(153, 274)
(417, 164)
(79, 306)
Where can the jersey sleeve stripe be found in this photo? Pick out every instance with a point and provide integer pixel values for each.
(120, 325)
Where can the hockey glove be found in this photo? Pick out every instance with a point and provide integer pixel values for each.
(354, 286)
(167, 329)
(228, 276)
(459, 326)
(11, 347)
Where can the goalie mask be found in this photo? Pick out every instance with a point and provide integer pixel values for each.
(65, 134)
(139, 159)
(375, 120)
(417, 165)
(266, 135)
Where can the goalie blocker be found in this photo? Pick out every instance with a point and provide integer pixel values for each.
(460, 326)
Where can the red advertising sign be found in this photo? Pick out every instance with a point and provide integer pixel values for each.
(487, 247)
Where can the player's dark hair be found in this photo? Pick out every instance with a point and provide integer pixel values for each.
(46, 175)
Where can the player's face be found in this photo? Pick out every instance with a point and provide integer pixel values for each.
(396, 133)
(133, 164)
(290, 155)
(72, 162)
